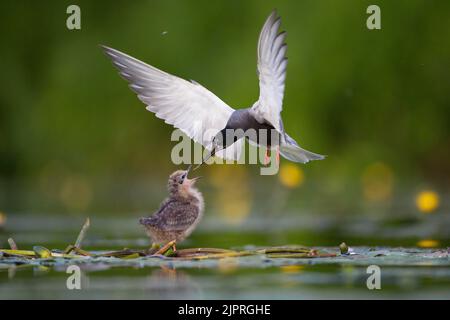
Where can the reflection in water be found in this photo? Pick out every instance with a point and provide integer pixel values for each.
(428, 243)
(40, 270)
(227, 265)
(235, 278)
(292, 268)
(169, 283)
(12, 272)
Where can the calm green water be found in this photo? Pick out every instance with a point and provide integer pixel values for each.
(403, 276)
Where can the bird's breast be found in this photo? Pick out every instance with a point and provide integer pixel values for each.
(261, 133)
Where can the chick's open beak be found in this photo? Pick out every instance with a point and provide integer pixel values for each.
(193, 180)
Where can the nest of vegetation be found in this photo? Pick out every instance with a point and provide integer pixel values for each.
(75, 251)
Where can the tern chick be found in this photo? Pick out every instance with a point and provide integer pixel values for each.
(179, 214)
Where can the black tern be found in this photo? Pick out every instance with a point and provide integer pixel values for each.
(205, 118)
(179, 214)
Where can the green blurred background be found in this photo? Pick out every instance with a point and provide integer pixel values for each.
(74, 140)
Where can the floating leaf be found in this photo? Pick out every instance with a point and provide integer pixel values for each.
(27, 253)
(131, 256)
(42, 252)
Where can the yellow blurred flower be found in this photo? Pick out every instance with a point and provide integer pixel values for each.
(291, 269)
(377, 182)
(227, 265)
(2, 219)
(428, 243)
(427, 201)
(291, 175)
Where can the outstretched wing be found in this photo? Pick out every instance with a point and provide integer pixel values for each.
(272, 64)
(186, 105)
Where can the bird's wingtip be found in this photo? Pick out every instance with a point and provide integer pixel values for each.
(274, 14)
(108, 50)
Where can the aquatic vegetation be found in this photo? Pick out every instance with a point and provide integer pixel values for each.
(258, 257)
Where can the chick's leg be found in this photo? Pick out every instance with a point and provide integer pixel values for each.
(166, 247)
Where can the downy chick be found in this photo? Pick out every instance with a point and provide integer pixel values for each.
(179, 214)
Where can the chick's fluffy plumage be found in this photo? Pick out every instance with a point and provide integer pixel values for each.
(179, 214)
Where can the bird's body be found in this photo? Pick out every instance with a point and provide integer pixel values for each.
(243, 119)
(179, 214)
(200, 114)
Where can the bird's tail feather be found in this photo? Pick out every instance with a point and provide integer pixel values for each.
(290, 150)
(147, 221)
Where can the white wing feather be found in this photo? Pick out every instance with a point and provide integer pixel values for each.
(272, 72)
(186, 105)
